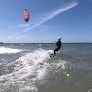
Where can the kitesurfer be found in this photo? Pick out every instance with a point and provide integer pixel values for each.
(58, 44)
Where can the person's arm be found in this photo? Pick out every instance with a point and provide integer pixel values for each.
(55, 41)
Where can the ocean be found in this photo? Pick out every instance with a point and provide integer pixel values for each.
(27, 67)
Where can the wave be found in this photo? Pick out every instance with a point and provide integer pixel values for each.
(5, 50)
(30, 69)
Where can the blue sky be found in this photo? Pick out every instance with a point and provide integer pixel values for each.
(70, 19)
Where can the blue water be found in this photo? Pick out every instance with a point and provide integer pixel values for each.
(27, 67)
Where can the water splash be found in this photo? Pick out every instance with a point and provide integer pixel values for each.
(4, 50)
(30, 69)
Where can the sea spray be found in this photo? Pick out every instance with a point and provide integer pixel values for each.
(5, 50)
(28, 71)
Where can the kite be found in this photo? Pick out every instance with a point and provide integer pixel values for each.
(26, 16)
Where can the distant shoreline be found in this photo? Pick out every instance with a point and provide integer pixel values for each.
(44, 43)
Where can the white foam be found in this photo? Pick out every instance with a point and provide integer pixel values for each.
(4, 50)
(28, 69)
(68, 75)
(39, 44)
(90, 90)
(22, 44)
(61, 63)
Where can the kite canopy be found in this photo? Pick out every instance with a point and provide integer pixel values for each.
(26, 16)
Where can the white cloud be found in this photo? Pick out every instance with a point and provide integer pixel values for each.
(10, 37)
(22, 25)
(11, 27)
(58, 11)
(20, 36)
(19, 26)
(15, 36)
(33, 26)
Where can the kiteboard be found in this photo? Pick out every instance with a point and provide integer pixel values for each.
(52, 55)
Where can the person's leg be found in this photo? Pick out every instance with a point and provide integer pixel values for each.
(55, 51)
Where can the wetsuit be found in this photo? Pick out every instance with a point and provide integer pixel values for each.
(58, 46)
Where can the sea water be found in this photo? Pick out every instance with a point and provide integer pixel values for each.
(27, 67)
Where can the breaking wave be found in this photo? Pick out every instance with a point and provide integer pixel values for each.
(5, 50)
(25, 73)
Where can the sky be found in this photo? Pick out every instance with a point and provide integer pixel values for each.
(69, 19)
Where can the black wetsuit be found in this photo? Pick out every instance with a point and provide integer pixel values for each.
(58, 46)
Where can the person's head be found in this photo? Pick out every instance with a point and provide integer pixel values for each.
(59, 38)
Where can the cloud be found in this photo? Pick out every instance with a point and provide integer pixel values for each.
(15, 36)
(51, 15)
(11, 27)
(9, 37)
(20, 26)
(20, 36)
(58, 11)
(33, 26)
